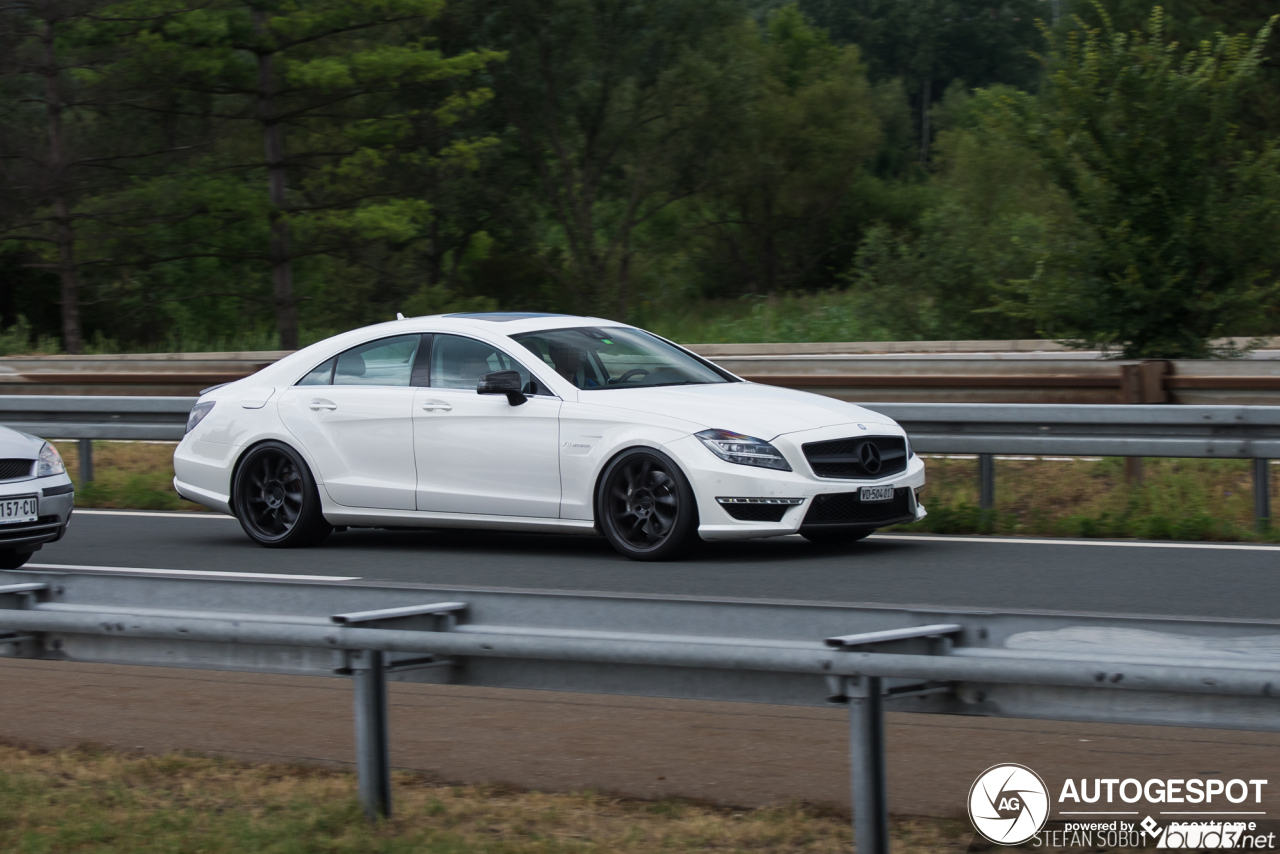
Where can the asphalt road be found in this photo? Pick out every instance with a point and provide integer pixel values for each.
(1207, 580)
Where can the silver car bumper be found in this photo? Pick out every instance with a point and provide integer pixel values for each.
(56, 497)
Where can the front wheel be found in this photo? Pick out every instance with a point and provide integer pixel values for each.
(645, 506)
(10, 559)
(276, 499)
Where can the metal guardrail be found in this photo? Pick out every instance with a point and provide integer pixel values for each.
(986, 429)
(97, 417)
(1123, 669)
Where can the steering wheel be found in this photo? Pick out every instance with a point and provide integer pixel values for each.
(634, 372)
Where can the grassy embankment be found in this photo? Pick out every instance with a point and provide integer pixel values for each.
(1179, 499)
(91, 800)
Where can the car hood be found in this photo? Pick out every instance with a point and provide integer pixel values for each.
(15, 445)
(763, 411)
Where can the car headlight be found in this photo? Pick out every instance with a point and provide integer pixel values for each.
(744, 450)
(198, 412)
(49, 462)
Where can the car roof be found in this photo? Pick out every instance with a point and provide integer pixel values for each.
(501, 322)
(510, 323)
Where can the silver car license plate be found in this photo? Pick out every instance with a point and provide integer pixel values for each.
(24, 508)
(875, 493)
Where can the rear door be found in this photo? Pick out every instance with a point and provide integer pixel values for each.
(354, 415)
(476, 453)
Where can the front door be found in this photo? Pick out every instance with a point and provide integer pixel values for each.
(354, 415)
(476, 453)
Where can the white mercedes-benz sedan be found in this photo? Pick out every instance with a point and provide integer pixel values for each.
(538, 422)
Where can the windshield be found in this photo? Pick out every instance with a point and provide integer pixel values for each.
(593, 358)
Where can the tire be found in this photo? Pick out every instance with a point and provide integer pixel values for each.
(276, 500)
(646, 506)
(10, 559)
(835, 537)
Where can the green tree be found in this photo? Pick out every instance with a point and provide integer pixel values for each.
(617, 105)
(994, 215)
(1183, 213)
(308, 97)
(806, 132)
(928, 44)
(69, 135)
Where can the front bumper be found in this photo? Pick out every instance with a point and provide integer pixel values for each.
(713, 479)
(56, 499)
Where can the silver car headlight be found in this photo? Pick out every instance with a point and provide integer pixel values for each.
(49, 462)
(197, 414)
(743, 450)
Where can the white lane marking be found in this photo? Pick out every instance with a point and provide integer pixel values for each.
(274, 576)
(1027, 541)
(178, 515)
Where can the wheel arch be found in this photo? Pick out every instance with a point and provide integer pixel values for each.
(257, 443)
(613, 457)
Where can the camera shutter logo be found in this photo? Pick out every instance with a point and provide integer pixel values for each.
(1008, 804)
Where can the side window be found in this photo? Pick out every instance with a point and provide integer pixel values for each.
(579, 365)
(320, 375)
(387, 361)
(458, 362)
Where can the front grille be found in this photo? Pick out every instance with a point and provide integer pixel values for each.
(756, 512)
(9, 469)
(858, 457)
(844, 508)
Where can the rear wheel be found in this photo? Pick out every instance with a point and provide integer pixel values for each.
(645, 506)
(276, 499)
(836, 537)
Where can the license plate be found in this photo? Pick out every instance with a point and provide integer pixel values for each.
(875, 493)
(25, 508)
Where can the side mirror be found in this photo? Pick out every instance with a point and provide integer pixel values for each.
(502, 382)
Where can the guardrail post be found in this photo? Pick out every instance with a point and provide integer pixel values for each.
(867, 765)
(86, 462)
(373, 749)
(1262, 493)
(986, 482)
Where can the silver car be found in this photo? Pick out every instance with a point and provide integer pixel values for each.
(36, 496)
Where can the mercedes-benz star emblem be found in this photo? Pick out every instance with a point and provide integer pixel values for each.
(869, 456)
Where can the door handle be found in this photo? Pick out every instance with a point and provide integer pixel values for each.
(433, 405)
(318, 404)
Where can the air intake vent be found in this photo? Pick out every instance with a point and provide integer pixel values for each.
(844, 508)
(756, 512)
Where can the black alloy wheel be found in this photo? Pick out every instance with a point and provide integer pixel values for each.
(276, 500)
(835, 537)
(645, 506)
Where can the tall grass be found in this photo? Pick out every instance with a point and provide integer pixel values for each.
(96, 800)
